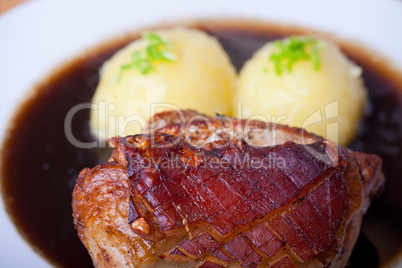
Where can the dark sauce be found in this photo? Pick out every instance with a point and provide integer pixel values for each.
(40, 166)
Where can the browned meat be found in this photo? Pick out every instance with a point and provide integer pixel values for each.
(163, 202)
(198, 129)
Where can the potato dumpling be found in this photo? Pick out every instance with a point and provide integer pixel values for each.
(196, 75)
(323, 93)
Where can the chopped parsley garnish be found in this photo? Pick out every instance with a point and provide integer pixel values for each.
(157, 50)
(294, 49)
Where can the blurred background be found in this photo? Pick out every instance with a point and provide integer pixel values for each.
(5, 5)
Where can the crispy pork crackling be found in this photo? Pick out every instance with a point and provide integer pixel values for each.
(220, 192)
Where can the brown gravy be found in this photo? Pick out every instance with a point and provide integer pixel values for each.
(40, 166)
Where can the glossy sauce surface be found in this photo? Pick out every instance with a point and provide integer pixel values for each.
(40, 165)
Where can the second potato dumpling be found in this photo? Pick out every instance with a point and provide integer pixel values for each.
(303, 82)
(175, 68)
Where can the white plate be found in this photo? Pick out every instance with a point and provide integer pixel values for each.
(39, 35)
